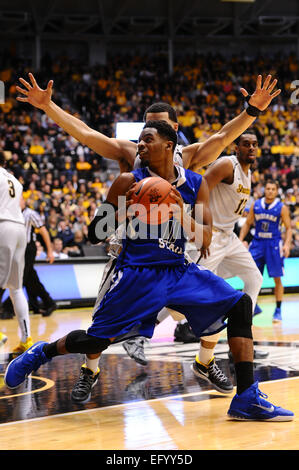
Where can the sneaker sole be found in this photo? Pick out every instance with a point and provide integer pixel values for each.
(136, 359)
(244, 418)
(86, 399)
(198, 374)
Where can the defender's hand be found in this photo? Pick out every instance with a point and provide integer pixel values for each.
(262, 97)
(33, 94)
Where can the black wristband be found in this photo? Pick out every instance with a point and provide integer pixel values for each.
(252, 110)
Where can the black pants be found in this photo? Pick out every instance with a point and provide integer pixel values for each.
(32, 284)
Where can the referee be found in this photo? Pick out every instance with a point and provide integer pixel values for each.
(31, 280)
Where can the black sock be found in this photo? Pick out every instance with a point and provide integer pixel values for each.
(50, 350)
(278, 303)
(244, 376)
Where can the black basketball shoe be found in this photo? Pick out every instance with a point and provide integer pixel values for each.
(82, 390)
(213, 375)
(184, 334)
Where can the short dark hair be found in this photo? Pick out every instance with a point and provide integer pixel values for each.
(164, 130)
(162, 108)
(238, 139)
(271, 181)
(2, 158)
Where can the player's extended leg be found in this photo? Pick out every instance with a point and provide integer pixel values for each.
(206, 368)
(279, 291)
(240, 263)
(206, 300)
(21, 310)
(14, 284)
(249, 403)
(204, 365)
(275, 266)
(77, 341)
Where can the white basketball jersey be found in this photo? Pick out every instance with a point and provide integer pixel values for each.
(177, 157)
(10, 196)
(228, 201)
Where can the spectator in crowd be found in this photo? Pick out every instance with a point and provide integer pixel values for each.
(58, 249)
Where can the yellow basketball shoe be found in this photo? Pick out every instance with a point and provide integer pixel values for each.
(22, 347)
(3, 338)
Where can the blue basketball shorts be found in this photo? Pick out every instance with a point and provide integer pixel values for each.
(137, 294)
(268, 253)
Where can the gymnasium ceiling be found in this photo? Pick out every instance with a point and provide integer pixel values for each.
(117, 20)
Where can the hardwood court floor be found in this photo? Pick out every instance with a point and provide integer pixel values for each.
(161, 406)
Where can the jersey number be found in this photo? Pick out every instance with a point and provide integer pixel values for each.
(241, 207)
(11, 189)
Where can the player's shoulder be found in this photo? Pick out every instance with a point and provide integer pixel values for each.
(140, 173)
(124, 180)
(4, 172)
(225, 160)
(192, 174)
(194, 179)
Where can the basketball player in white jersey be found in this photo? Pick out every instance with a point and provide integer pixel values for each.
(12, 249)
(229, 181)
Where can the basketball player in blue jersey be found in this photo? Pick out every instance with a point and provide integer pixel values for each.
(193, 156)
(152, 273)
(267, 248)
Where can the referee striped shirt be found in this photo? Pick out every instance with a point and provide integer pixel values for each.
(32, 220)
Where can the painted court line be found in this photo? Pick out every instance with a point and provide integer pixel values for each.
(135, 403)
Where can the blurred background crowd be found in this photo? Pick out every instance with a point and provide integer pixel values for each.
(65, 181)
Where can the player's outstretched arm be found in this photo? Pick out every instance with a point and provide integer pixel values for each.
(115, 149)
(248, 223)
(196, 156)
(286, 220)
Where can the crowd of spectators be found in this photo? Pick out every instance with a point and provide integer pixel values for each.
(65, 181)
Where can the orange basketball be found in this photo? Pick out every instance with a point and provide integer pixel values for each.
(152, 200)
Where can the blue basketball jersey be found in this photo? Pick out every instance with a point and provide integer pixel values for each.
(166, 246)
(267, 219)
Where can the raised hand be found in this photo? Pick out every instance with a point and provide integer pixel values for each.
(262, 97)
(33, 94)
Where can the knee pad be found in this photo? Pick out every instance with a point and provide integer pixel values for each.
(78, 341)
(240, 318)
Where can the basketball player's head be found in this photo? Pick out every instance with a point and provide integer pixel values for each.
(2, 158)
(162, 112)
(247, 147)
(156, 142)
(271, 190)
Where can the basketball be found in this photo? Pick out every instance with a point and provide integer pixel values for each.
(152, 200)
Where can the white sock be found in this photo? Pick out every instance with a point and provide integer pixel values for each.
(21, 310)
(92, 364)
(206, 354)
